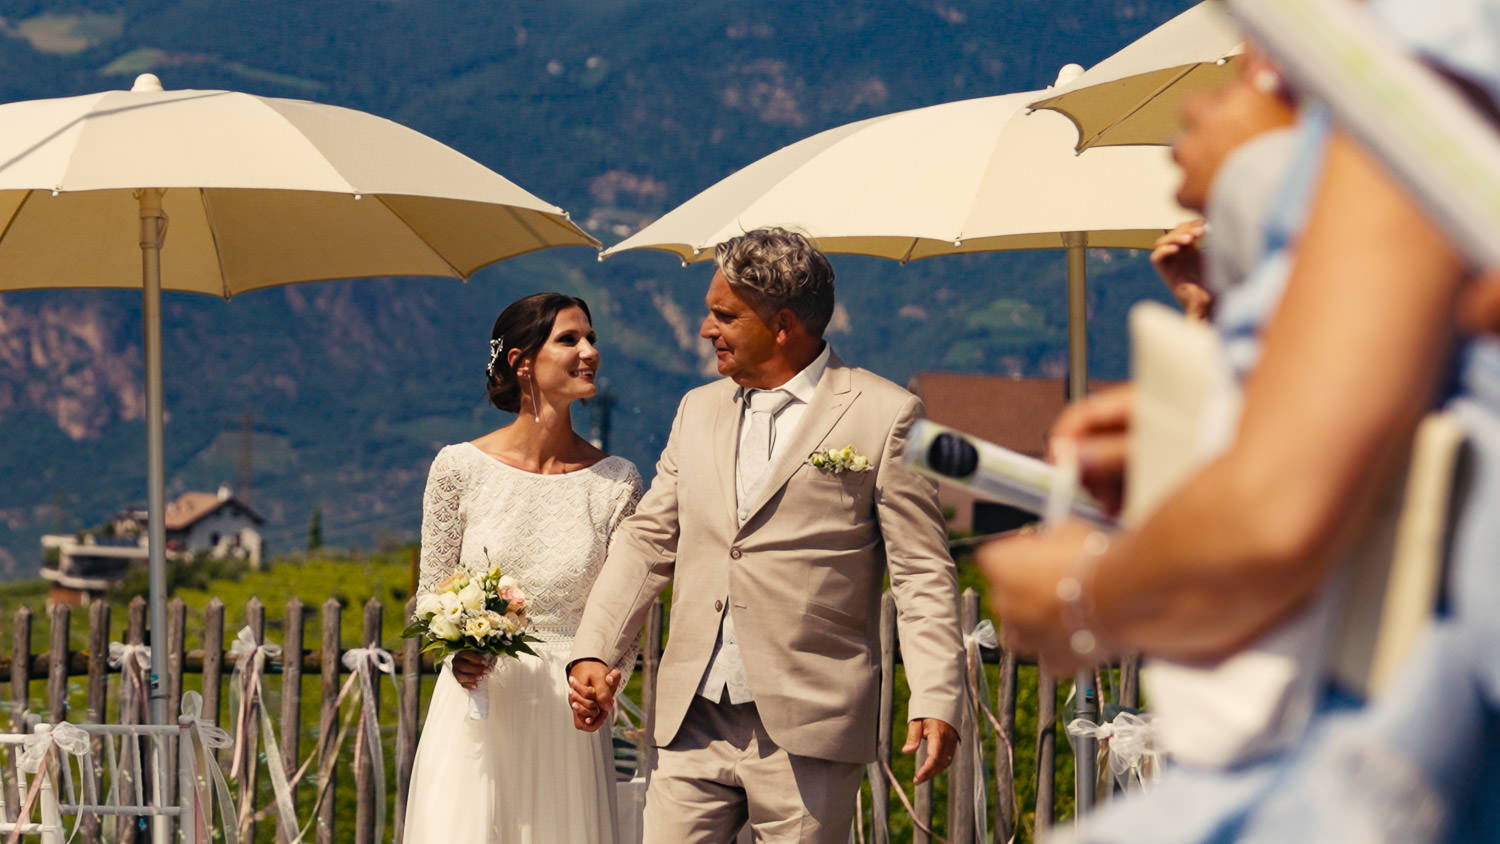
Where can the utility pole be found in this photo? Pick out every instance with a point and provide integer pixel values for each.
(245, 464)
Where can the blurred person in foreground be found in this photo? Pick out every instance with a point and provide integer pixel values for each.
(1242, 129)
(1356, 340)
(1235, 145)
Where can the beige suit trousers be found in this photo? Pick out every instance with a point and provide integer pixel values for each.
(722, 770)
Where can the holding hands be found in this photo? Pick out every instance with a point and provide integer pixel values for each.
(591, 693)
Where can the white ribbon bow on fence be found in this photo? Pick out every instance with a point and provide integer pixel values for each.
(249, 669)
(363, 663)
(209, 738)
(134, 662)
(64, 736)
(1132, 744)
(36, 750)
(983, 636)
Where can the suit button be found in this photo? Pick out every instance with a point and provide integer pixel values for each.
(735, 553)
(718, 606)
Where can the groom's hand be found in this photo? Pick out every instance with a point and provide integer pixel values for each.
(591, 693)
(942, 743)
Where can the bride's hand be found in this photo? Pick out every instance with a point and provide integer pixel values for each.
(591, 693)
(470, 667)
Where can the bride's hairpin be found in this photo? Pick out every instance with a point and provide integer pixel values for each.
(496, 346)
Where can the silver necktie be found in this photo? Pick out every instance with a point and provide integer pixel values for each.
(764, 405)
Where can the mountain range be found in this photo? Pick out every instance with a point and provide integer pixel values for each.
(334, 396)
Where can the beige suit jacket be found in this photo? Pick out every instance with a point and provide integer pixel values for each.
(802, 576)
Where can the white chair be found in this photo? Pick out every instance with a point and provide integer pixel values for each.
(50, 828)
(133, 780)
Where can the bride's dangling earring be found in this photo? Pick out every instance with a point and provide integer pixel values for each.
(536, 407)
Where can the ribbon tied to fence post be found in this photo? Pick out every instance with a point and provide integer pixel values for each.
(36, 750)
(982, 636)
(249, 670)
(210, 737)
(133, 660)
(363, 663)
(1131, 740)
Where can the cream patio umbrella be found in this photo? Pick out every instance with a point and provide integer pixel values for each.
(221, 192)
(977, 175)
(1132, 97)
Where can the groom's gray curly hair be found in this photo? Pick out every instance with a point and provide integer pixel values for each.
(775, 268)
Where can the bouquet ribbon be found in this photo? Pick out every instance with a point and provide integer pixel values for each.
(479, 696)
(249, 668)
(209, 738)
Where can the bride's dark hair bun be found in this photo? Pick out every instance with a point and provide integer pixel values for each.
(525, 324)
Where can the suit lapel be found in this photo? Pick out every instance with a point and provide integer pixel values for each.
(726, 445)
(831, 398)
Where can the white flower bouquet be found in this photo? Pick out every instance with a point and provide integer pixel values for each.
(481, 613)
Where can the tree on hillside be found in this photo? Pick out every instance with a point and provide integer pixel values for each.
(315, 530)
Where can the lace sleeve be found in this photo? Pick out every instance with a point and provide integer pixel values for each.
(627, 496)
(442, 522)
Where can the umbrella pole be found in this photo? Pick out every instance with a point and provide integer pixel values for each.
(153, 229)
(1086, 698)
(1078, 314)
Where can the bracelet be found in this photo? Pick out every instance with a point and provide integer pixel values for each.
(1074, 589)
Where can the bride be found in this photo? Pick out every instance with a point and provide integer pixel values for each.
(538, 500)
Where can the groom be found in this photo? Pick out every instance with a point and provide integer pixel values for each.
(767, 698)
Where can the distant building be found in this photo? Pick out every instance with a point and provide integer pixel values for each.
(1013, 412)
(82, 566)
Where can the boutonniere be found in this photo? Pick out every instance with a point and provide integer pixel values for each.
(838, 460)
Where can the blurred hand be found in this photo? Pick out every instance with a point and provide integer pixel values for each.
(1023, 572)
(942, 744)
(470, 667)
(1099, 427)
(1179, 262)
(1479, 306)
(591, 693)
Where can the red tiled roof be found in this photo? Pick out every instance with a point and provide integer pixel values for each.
(1013, 412)
(192, 506)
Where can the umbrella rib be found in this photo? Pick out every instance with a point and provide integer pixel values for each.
(1138, 106)
(425, 242)
(9, 221)
(523, 223)
(213, 234)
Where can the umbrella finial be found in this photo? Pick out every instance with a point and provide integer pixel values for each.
(146, 83)
(1067, 73)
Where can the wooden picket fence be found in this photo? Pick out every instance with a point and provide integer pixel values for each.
(57, 664)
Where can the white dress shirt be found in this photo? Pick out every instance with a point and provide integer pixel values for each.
(726, 668)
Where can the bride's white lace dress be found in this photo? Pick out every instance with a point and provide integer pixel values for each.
(523, 775)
